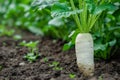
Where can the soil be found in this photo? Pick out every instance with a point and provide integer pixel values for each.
(15, 67)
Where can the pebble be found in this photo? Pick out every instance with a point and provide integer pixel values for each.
(22, 63)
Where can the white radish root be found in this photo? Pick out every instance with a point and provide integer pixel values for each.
(85, 53)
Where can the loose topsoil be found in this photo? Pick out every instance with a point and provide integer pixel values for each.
(14, 67)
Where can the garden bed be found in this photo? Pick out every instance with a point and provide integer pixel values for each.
(15, 67)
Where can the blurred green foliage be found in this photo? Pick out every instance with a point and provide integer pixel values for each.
(5, 32)
(20, 14)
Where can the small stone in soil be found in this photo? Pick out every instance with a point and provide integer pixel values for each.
(22, 63)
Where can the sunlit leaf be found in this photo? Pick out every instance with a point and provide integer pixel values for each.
(103, 7)
(56, 21)
(36, 30)
(113, 42)
(43, 3)
(62, 10)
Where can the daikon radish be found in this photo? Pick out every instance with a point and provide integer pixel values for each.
(85, 53)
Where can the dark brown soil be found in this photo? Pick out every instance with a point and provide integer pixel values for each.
(15, 67)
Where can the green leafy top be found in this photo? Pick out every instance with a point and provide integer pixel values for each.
(85, 15)
(84, 12)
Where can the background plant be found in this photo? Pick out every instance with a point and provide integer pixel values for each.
(21, 15)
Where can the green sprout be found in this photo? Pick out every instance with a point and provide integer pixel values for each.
(56, 66)
(1, 67)
(100, 78)
(31, 57)
(55, 63)
(4, 44)
(32, 46)
(45, 59)
(72, 76)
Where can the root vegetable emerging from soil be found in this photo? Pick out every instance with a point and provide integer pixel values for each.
(85, 19)
(85, 53)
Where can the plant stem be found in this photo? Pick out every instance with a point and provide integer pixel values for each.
(76, 16)
(93, 20)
